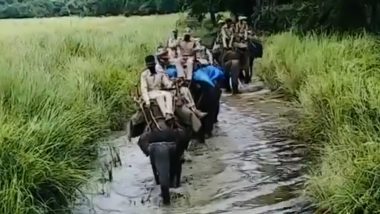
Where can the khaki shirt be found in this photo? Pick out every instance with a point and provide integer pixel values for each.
(241, 30)
(172, 42)
(227, 35)
(173, 54)
(151, 82)
(205, 54)
(187, 48)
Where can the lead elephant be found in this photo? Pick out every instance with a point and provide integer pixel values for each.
(231, 60)
(165, 143)
(255, 50)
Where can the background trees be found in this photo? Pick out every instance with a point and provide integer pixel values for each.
(269, 15)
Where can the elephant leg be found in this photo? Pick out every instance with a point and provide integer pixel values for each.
(208, 124)
(200, 135)
(154, 169)
(227, 75)
(234, 70)
(218, 105)
(172, 171)
(178, 174)
(247, 67)
(251, 60)
(177, 166)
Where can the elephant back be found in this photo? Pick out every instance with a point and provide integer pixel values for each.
(230, 55)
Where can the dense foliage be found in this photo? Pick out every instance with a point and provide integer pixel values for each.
(271, 16)
(51, 8)
(64, 83)
(334, 80)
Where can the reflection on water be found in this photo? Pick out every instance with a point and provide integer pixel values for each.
(248, 167)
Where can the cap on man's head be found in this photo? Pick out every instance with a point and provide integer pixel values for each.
(161, 51)
(175, 31)
(150, 60)
(187, 31)
(228, 20)
(241, 18)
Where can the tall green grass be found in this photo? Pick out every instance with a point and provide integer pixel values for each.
(335, 81)
(64, 83)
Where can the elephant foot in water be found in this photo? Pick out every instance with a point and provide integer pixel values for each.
(208, 136)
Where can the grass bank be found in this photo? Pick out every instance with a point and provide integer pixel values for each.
(335, 81)
(64, 82)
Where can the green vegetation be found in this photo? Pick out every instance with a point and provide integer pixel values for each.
(63, 84)
(335, 81)
(51, 8)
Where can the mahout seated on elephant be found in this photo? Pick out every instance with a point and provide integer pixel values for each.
(237, 37)
(162, 136)
(165, 143)
(205, 87)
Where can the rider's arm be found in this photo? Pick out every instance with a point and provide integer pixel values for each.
(166, 82)
(159, 68)
(179, 52)
(231, 41)
(144, 88)
(210, 58)
(224, 38)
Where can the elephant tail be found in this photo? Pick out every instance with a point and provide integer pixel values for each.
(160, 155)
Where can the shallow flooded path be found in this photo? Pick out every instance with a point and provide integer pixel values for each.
(249, 166)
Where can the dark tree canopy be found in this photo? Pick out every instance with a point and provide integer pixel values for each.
(269, 15)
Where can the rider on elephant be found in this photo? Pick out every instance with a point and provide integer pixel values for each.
(241, 29)
(174, 39)
(227, 33)
(164, 66)
(152, 84)
(186, 49)
(203, 55)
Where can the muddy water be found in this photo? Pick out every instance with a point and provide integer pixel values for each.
(249, 166)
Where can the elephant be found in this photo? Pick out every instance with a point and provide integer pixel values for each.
(231, 60)
(165, 143)
(206, 98)
(206, 92)
(214, 76)
(255, 50)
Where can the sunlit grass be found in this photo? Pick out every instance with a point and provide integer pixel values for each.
(64, 82)
(336, 83)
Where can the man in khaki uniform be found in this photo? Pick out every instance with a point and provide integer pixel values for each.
(164, 60)
(241, 28)
(203, 55)
(152, 83)
(186, 51)
(227, 33)
(174, 39)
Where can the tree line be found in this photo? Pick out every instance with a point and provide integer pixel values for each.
(302, 15)
(269, 15)
(56, 8)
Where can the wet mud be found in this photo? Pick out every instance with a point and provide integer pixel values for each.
(249, 166)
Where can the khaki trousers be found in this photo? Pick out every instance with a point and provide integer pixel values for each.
(164, 100)
(177, 63)
(189, 67)
(185, 92)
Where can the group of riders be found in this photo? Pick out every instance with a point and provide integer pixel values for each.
(180, 88)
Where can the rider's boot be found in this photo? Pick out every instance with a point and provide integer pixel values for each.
(169, 117)
(199, 114)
